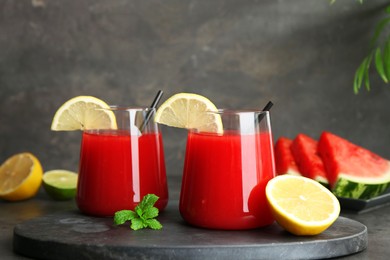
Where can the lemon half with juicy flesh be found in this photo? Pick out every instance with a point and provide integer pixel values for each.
(20, 177)
(190, 111)
(82, 113)
(301, 205)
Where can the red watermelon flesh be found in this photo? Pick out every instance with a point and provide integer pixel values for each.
(345, 159)
(304, 149)
(284, 160)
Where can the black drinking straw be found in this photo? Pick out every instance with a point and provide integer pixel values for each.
(150, 112)
(266, 108)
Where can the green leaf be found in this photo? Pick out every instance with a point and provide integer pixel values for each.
(150, 213)
(334, 1)
(153, 224)
(386, 58)
(382, 62)
(366, 72)
(378, 30)
(137, 223)
(123, 216)
(379, 65)
(148, 201)
(143, 216)
(138, 210)
(359, 75)
(387, 10)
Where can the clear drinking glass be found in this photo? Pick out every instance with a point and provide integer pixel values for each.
(225, 175)
(118, 167)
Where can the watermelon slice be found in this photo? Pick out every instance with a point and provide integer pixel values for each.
(352, 171)
(284, 160)
(304, 149)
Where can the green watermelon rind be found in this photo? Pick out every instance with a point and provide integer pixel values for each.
(350, 188)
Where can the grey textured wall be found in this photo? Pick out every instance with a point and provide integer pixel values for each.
(301, 54)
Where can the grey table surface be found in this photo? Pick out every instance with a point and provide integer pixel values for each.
(377, 222)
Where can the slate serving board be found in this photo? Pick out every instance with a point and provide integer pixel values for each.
(71, 235)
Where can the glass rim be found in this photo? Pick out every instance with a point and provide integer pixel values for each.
(237, 111)
(126, 108)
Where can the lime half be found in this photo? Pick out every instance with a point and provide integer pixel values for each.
(60, 184)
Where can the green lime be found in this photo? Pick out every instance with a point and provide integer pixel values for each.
(60, 184)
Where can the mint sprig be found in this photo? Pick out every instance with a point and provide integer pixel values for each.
(143, 216)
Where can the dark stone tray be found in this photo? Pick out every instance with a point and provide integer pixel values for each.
(71, 235)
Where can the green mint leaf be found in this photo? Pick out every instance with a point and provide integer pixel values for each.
(147, 201)
(142, 216)
(138, 210)
(122, 216)
(150, 213)
(137, 223)
(153, 224)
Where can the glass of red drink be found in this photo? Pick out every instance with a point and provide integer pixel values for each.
(120, 166)
(225, 174)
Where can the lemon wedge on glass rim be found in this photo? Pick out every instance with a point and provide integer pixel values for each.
(188, 110)
(301, 205)
(82, 113)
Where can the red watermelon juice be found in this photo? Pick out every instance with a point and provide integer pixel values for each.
(117, 169)
(224, 180)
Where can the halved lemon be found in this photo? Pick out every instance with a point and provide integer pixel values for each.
(20, 177)
(301, 205)
(83, 112)
(60, 184)
(187, 110)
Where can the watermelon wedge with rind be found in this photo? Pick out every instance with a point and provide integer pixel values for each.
(353, 171)
(304, 150)
(357, 190)
(284, 159)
